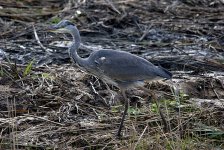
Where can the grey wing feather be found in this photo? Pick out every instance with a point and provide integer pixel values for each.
(122, 66)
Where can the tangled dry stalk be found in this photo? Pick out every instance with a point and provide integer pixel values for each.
(53, 105)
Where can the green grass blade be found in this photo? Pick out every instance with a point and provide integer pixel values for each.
(28, 69)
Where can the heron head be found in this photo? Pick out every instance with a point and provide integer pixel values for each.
(63, 26)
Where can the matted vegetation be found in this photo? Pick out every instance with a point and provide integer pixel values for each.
(46, 102)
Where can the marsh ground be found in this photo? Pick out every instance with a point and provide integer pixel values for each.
(46, 102)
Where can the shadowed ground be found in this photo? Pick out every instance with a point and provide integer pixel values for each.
(46, 102)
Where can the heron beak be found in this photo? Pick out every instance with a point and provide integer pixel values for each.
(55, 29)
(61, 30)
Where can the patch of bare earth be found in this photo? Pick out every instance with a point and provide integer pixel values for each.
(51, 106)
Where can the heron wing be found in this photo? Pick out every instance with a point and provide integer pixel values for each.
(123, 66)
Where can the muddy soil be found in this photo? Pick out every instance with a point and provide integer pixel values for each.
(47, 102)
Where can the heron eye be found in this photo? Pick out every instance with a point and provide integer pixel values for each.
(69, 23)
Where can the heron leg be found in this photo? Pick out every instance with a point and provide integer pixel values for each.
(124, 113)
(111, 102)
(166, 127)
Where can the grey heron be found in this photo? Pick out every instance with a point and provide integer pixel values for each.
(121, 69)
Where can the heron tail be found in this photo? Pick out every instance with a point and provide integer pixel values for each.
(165, 73)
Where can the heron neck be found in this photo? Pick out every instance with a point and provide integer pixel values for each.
(75, 46)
